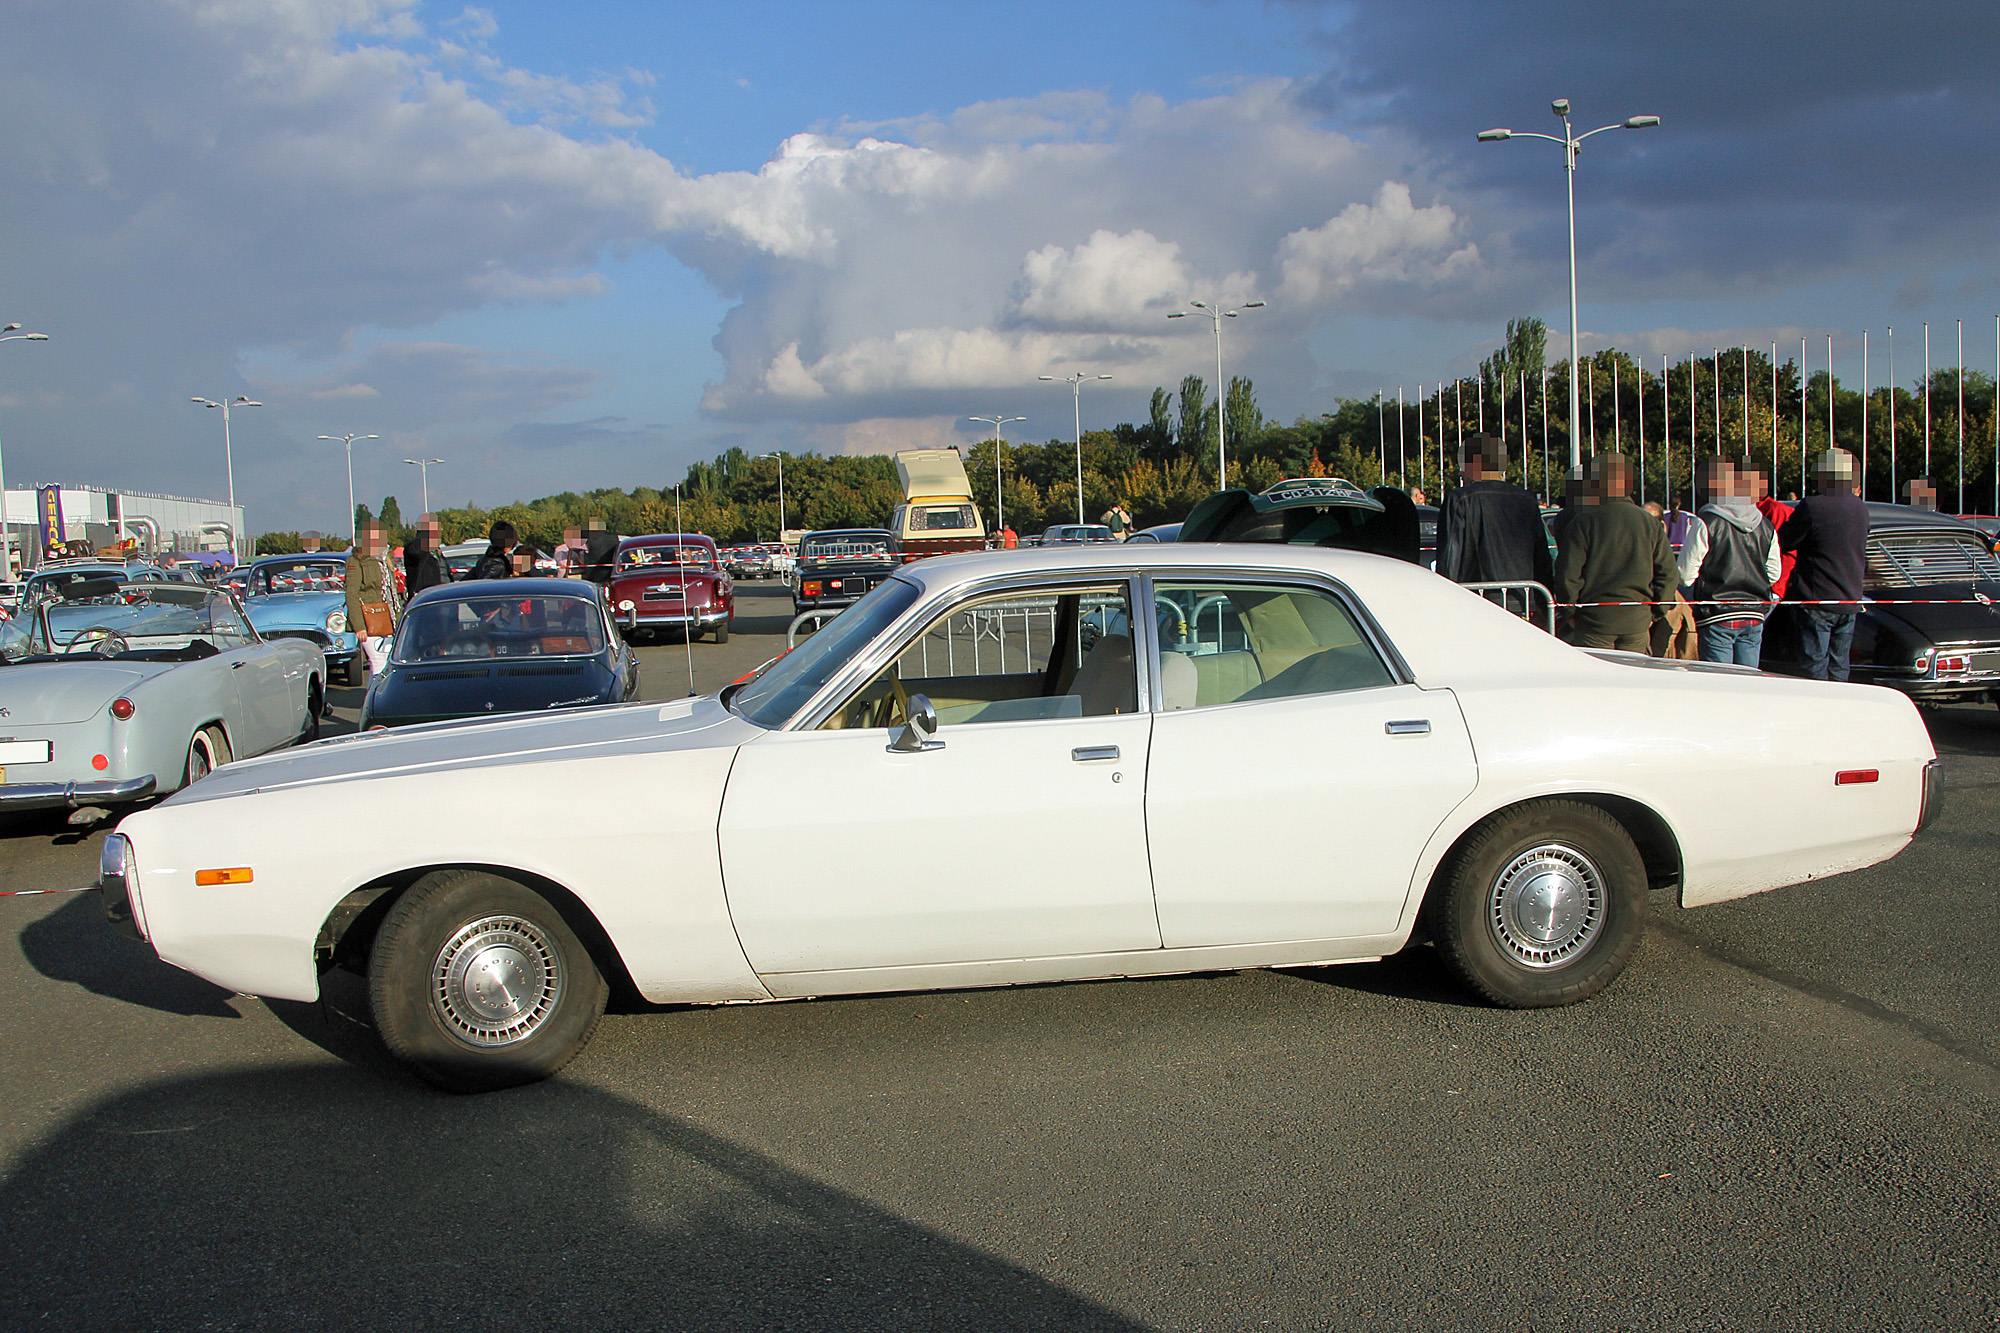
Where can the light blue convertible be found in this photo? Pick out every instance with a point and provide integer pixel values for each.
(305, 597)
(114, 692)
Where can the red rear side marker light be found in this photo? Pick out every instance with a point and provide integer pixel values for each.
(1848, 776)
(99, 762)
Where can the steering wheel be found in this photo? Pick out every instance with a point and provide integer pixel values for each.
(102, 638)
(892, 708)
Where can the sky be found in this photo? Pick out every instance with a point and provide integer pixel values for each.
(562, 246)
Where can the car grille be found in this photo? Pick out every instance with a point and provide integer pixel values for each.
(1919, 561)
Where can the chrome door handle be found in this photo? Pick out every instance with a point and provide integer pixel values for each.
(235, 666)
(1419, 726)
(1084, 754)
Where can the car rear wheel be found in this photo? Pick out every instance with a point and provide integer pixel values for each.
(208, 751)
(356, 670)
(1543, 905)
(478, 983)
(722, 632)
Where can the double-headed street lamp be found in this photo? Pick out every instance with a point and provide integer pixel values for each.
(999, 508)
(229, 464)
(1216, 315)
(12, 333)
(423, 465)
(1571, 142)
(353, 513)
(1076, 382)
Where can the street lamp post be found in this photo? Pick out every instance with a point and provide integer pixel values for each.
(348, 440)
(1076, 382)
(423, 466)
(12, 333)
(999, 505)
(1571, 142)
(780, 456)
(1216, 315)
(229, 465)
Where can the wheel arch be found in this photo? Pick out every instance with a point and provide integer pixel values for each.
(1659, 846)
(348, 933)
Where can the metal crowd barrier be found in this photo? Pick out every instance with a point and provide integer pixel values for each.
(1519, 596)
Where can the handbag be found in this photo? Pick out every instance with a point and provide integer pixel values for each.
(375, 618)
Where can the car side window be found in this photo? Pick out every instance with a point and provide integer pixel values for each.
(226, 627)
(1225, 643)
(1063, 652)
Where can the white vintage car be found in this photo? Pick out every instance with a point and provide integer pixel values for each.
(1025, 767)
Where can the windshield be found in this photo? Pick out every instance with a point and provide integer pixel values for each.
(133, 617)
(483, 627)
(786, 685)
(846, 546)
(637, 556)
(298, 576)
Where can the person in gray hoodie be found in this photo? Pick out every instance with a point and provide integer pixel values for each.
(1729, 563)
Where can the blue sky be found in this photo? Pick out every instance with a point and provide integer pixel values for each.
(567, 245)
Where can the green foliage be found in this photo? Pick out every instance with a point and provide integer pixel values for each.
(392, 519)
(291, 543)
(1196, 429)
(362, 514)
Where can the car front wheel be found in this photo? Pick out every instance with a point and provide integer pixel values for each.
(478, 983)
(1544, 905)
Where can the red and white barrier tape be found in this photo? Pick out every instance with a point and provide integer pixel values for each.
(35, 893)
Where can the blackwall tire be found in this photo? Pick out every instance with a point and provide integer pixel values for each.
(356, 671)
(477, 983)
(722, 632)
(1543, 905)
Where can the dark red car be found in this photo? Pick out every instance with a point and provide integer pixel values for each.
(671, 580)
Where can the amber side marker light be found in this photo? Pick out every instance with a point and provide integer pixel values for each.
(1848, 776)
(208, 879)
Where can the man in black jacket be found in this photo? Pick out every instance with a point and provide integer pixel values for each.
(1615, 567)
(421, 566)
(1490, 530)
(1828, 533)
(498, 561)
(600, 545)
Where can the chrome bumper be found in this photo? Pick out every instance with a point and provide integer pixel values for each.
(72, 795)
(678, 618)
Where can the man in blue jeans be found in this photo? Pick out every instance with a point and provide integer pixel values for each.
(1728, 564)
(1828, 533)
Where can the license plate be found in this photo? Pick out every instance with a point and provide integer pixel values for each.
(26, 752)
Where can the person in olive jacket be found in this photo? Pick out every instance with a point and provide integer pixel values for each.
(368, 580)
(1611, 550)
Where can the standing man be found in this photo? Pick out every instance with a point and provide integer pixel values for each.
(1828, 532)
(498, 561)
(1119, 519)
(600, 545)
(369, 583)
(1490, 530)
(1730, 565)
(1614, 552)
(421, 566)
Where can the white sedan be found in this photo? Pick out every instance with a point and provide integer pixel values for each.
(1028, 767)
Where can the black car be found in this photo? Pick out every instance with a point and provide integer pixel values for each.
(1931, 624)
(837, 565)
(497, 646)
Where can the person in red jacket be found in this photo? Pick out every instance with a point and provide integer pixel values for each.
(1777, 511)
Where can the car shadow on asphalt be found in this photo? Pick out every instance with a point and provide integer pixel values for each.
(74, 944)
(309, 1195)
(1966, 729)
(1414, 974)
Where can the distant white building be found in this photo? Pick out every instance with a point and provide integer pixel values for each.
(161, 524)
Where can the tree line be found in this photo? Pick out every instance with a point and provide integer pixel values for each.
(1736, 401)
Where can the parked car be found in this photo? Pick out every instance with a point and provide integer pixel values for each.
(127, 690)
(305, 597)
(837, 566)
(460, 557)
(1516, 795)
(672, 580)
(1159, 532)
(1074, 534)
(50, 577)
(497, 646)
(10, 597)
(1931, 625)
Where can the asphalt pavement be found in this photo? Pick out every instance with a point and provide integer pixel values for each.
(1782, 1117)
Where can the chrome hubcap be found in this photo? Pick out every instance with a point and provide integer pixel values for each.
(496, 981)
(1546, 906)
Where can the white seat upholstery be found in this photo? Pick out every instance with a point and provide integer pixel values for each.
(1180, 683)
(1104, 682)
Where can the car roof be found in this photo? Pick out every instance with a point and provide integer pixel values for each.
(667, 539)
(847, 532)
(338, 556)
(523, 587)
(1894, 517)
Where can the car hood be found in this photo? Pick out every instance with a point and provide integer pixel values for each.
(1942, 612)
(442, 747)
(51, 693)
(294, 608)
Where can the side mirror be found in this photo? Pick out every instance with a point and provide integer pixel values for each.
(919, 732)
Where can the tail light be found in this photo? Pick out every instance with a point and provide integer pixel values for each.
(1954, 664)
(122, 709)
(810, 587)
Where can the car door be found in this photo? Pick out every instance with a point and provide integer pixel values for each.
(269, 683)
(1020, 833)
(1294, 778)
